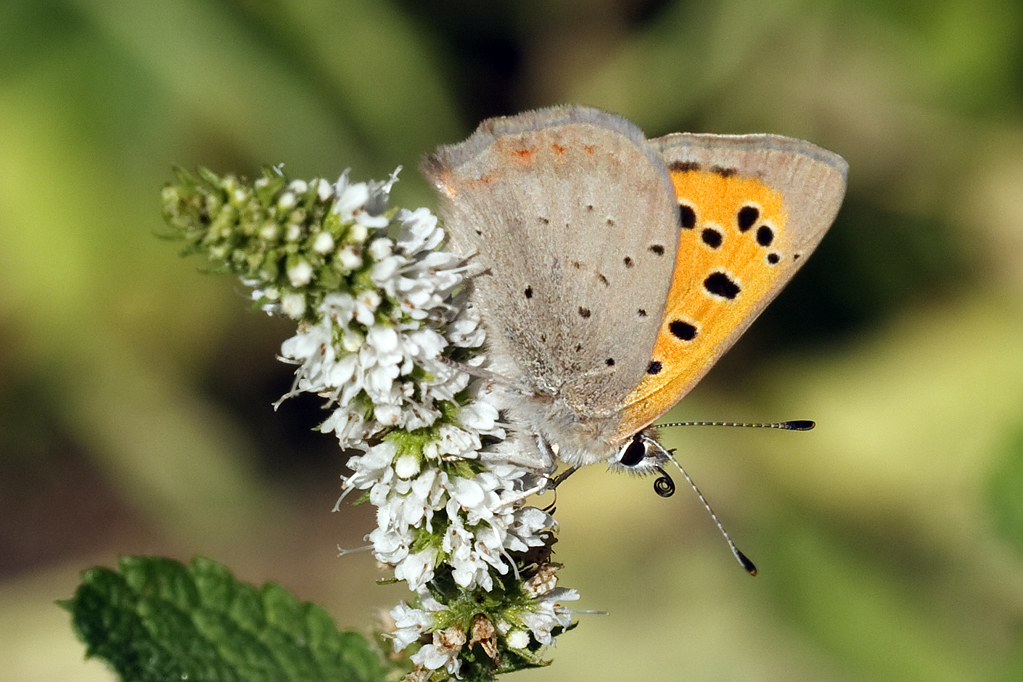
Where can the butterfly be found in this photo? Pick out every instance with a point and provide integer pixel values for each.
(616, 270)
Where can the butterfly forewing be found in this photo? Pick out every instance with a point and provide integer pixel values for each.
(573, 219)
(752, 208)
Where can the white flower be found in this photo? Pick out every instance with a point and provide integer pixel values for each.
(338, 307)
(372, 467)
(366, 304)
(419, 283)
(516, 639)
(389, 547)
(380, 249)
(433, 657)
(270, 231)
(349, 257)
(417, 569)
(300, 274)
(293, 305)
(470, 561)
(287, 201)
(525, 531)
(453, 443)
(443, 653)
(379, 193)
(311, 349)
(324, 243)
(466, 492)
(361, 202)
(358, 233)
(324, 190)
(406, 466)
(548, 614)
(419, 231)
(480, 416)
(466, 332)
(351, 198)
(388, 415)
(411, 624)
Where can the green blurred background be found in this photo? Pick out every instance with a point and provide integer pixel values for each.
(135, 392)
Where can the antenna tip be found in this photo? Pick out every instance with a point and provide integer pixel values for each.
(750, 567)
(799, 425)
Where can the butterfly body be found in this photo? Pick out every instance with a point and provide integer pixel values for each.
(614, 270)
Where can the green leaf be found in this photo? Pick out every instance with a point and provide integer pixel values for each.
(156, 620)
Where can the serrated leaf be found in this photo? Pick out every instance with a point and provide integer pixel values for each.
(156, 620)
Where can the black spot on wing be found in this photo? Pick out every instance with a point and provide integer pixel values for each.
(747, 217)
(684, 166)
(721, 285)
(683, 331)
(711, 237)
(686, 216)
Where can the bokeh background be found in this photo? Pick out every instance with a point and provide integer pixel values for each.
(135, 391)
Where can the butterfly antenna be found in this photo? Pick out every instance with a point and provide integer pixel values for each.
(665, 487)
(791, 425)
(743, 560)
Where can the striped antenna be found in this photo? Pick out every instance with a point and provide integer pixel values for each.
(791, 425)
(743, 560)
(665, 487)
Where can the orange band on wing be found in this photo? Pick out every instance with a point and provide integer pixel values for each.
(733, 252)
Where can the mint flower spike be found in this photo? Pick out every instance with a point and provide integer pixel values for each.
(383, 334)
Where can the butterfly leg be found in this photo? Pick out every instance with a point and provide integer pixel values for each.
(556, 481)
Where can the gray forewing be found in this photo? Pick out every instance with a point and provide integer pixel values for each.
(573, 217)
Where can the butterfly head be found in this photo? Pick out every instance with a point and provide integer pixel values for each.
(641, 455)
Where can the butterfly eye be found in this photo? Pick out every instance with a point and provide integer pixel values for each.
(634, 452)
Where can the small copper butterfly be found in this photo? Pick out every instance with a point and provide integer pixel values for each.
(616, 270)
